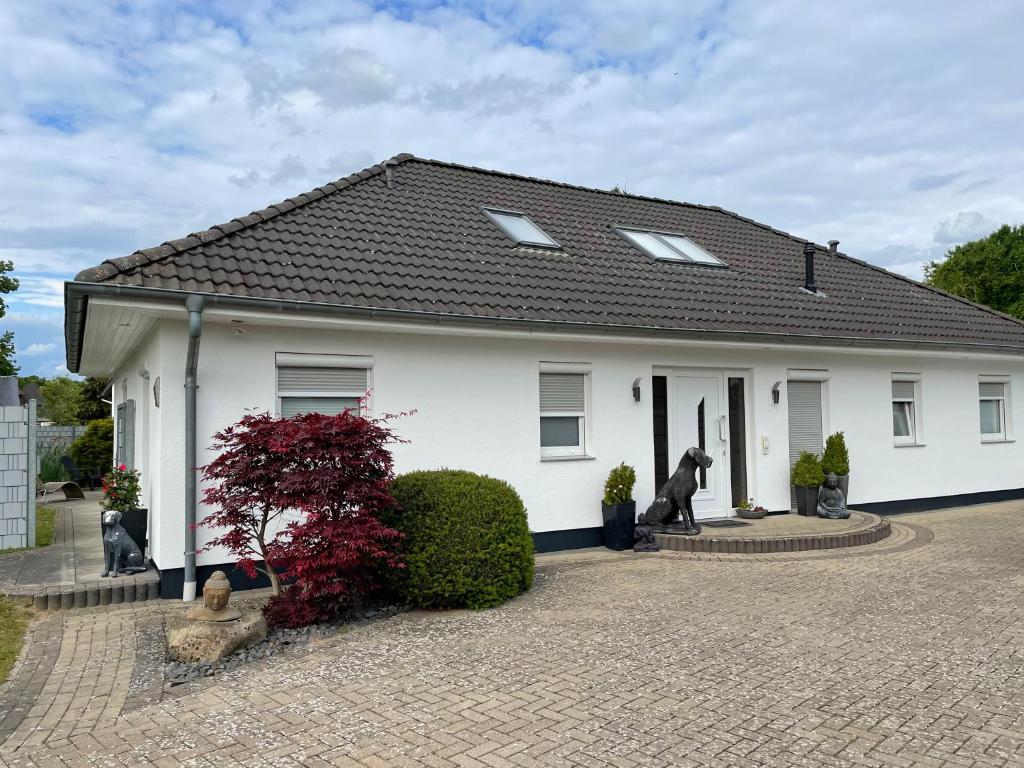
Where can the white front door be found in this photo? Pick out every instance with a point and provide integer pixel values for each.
(698, 418)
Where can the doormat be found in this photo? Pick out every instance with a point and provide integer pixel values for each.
(722, 523)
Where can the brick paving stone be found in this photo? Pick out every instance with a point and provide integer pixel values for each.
(906, 652)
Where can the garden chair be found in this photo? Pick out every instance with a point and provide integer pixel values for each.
(92, 478)
(70, 489)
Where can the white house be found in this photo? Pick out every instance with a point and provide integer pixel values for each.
(543, 333)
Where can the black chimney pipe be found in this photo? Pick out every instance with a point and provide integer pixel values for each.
(809, 268)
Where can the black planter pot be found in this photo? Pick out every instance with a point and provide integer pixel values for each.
(844, 486)
(619, 522)
(806, 500)
(135, 522)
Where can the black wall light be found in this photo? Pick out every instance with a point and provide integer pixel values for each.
(775, 392)
(636, 390)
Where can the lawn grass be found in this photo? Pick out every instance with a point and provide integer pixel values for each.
(13, 620)
(46, 519)
(13, 617)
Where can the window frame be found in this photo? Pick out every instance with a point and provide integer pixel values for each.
(490, 212)
(582, 449)
(916, 434)
(1005, 434)
(661, 236)
(303, 360)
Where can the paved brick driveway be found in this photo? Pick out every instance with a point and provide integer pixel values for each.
(908, 653)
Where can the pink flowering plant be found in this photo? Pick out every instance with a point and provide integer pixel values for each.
(121, 489)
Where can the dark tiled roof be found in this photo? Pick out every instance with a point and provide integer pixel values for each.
(423, 245)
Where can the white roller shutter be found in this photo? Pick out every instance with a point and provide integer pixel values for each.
(991, 389)
(805, 423)
(310, 379)
(561, 393)
(903, 390)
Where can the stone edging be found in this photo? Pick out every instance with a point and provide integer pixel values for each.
(878, 529)
(87, 595)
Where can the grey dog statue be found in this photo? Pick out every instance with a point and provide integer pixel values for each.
(120, 553)
(675, 497)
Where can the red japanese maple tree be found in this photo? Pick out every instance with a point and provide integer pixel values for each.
(244, 494)
(304, 495)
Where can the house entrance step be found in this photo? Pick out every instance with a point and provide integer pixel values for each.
(108, 591)
(782, 533)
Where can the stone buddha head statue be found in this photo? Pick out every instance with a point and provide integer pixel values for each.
(216, 591)
(831, 481)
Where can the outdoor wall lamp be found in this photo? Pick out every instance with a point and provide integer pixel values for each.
(636, 390)
(775, 392)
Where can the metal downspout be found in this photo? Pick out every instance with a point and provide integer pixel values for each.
(194, 305)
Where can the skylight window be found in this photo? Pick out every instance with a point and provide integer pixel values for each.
(519, 227)
(668, 247)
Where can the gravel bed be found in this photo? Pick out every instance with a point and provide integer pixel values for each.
(277, 641)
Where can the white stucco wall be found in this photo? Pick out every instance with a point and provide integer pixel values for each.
(139, 372)
(476, 403)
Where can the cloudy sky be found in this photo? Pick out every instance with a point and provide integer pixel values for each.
(893, 127)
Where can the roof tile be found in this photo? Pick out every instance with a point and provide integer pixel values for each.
(423, 244)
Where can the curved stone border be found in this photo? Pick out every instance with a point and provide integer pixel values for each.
(877, 530)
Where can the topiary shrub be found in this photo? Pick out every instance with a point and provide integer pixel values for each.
(467, 542)
(94, 450)
(836, 459)
(807, 472)
(618, 488)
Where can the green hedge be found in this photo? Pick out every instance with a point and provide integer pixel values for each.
(94, 450)
(467, 543)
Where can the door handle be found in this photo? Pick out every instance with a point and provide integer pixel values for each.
(723, 429)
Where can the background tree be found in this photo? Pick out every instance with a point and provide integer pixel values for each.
(7, 285)
(989, 271)
(7, 364)
(62, 400)
(94, 450)
(24, 381)
(93, 406)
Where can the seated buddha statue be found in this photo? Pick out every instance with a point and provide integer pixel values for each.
(831, 502)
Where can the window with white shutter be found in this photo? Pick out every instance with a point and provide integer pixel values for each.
(327, 384)
(563, 411)
(992, 408)
(905, 419)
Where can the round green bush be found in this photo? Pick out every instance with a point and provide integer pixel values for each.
(467, 542)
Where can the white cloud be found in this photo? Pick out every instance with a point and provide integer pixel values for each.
(965, 226)
(126, 125)
(39, 291)
(36, 349)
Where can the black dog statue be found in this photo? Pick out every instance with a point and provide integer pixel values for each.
(120, 553)
(675, 497)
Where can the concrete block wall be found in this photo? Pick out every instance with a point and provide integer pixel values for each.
(14, 506)
(53, 434)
